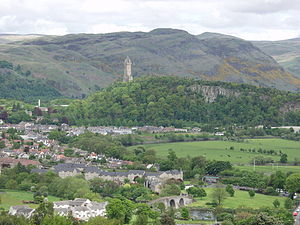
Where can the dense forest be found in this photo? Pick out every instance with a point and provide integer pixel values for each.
(16, 83)
(173, 101)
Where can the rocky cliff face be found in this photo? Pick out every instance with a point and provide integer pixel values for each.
(210, 93)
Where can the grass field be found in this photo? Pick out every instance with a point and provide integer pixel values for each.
(12, 197)
(217, 149)
(271, 169)
(241, 198)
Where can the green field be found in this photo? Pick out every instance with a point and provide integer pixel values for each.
(271, 169)
(12, 197)
(219, 150)
(241, 198)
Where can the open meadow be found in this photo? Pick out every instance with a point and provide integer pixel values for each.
(13, 197)
(240, 199)
(220, 150)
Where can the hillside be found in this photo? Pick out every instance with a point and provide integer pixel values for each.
(15, 83)
(79, 64)
(286, 53)
(181, 102)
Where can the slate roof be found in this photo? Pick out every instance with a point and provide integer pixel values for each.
(140, 172)
(92, 169)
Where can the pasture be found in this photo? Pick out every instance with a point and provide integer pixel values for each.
(240, 199)
(220, 150)
(13, 197)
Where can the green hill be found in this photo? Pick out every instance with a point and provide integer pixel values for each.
(286, 53)
(15, 83)
(79, 64)
(185, 102)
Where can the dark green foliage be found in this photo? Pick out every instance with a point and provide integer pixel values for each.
(230, 190)
(270, 191)
(170, 189)
(244, 178)
(167, 218)
(283, 158)
(196, 192)
(293, 183)
(215, 167)
(120, 209)
(251, 193)
(185, 213)
(16, 84)
(276, 203)
(288, 203)
(99, 144)
(171, 101)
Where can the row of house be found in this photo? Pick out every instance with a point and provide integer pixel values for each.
(153, 180)
(79, 208)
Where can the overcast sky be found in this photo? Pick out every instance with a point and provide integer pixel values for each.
(248, 19)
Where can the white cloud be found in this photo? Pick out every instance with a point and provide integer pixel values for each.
(249, 19)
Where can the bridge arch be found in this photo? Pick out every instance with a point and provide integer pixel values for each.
(172, 203)
(181, 202)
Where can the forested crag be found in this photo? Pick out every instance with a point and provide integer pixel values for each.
(173, 101)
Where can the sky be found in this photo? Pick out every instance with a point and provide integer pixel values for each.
(247, 19)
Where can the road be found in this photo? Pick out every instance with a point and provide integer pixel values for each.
(297, 222)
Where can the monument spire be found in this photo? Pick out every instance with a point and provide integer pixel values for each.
(127, 70)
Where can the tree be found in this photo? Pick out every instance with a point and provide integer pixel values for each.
(293, 183)
(288, 203)
(171, 189)
(264, 219)
(2, 144)
(56, 220)
(115, 210)
(219, 194)
(141, 219)
(120, 209)
(215, 167)
(196, 192)
(251, 193)
(185, 213)
(167, 219)
(230, 190)
(276, 203)
(283, 158)
(98, 220)
(44, 209)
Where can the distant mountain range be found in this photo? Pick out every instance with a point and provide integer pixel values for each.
(79, 64)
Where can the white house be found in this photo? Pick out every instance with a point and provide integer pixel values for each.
(21, 210)
(80, 208)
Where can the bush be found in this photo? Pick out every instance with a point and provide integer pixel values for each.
(271, 191)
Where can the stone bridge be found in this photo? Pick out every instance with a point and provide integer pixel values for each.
(173, 201)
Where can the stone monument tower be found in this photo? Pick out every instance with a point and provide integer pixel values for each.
(127, 70)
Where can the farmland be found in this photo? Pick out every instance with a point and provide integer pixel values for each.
(229, 150)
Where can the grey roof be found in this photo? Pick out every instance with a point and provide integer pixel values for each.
(67, 202)
(22, 209)
(173, 171)
(62, 210)
(92, 169)
(65, 169)
(141, 172)
(152, 174)
(70, 165)
(98, 205)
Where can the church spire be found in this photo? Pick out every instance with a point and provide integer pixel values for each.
(127, 70)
